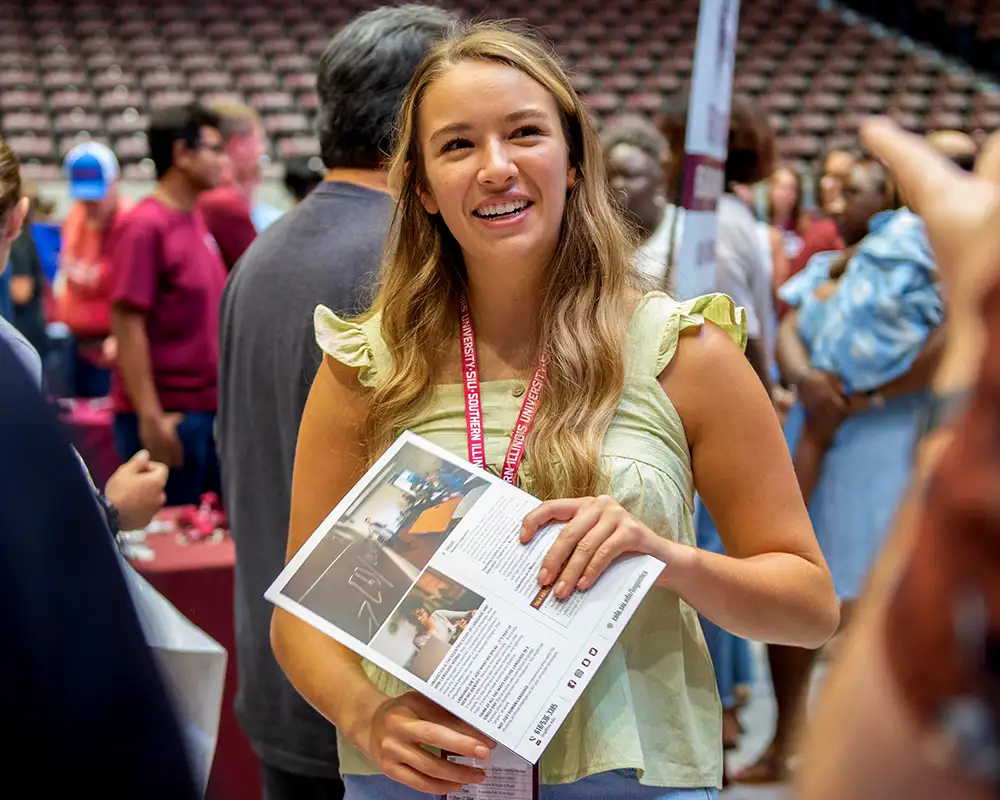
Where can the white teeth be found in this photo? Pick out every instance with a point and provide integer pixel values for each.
(496, 209)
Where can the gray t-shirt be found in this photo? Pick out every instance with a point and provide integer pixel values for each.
(327, 250)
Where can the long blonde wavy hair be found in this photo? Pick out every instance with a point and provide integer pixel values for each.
(587, 297)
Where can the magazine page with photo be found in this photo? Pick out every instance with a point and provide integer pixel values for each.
(420, 570)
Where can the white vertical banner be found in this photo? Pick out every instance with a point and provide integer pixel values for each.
(705, 145)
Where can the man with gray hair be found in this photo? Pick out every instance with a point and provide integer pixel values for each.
(326, 250)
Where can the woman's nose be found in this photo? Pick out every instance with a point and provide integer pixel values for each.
(498, 166)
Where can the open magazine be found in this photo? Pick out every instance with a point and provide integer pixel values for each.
(419, 569)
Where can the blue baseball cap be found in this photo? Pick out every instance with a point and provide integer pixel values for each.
(91, 168)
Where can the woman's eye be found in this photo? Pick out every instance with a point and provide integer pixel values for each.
(456, 144)
(527, 130)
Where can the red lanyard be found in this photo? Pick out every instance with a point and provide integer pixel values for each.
(474, 431)
(474, 404)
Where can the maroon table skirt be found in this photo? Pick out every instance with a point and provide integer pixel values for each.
(90, 429)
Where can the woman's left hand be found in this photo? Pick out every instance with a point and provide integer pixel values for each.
(598, 531)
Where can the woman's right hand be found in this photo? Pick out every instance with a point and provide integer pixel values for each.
(822, 393)
(400, 728)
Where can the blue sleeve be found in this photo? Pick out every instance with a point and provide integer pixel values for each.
(816, 272)
(885, 308)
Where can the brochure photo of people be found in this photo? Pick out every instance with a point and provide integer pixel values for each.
(375, 550)
(430, 620)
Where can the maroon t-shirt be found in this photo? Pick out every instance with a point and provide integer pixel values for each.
(227, 216)
(167, 264)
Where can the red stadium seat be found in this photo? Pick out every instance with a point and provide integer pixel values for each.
(911, 101)
(30, 146)
(867, 102)
(908, 119)
(952, 101)
(780, 101)
(21, 100)
(126, 123)
(25, 122)
(18, 78)
(200, 62)
(131, 148)
(162, 79)
(272, 101)
(208, 98)
(77, 121)
(210, 81)
(113, 77)
(69, 99)
(645, 103)
(67, 143)
(120, 98)
(945, 120)
(286, 124)
(143, 171)
(170, 97)
(292, 146)
(603, 103)
(813, 122)
(791, 82)
(985, 120)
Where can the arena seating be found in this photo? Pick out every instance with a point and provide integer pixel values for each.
(969, 29)
(73, 69)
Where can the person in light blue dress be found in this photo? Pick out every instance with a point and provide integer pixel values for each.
(866, 326)
(865, 335)
(858, 346)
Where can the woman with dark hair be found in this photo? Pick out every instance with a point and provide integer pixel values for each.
(821, 235)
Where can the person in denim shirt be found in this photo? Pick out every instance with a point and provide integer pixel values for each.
(858, 347)
(868, 325)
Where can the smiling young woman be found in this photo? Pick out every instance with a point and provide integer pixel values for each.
(504, 212)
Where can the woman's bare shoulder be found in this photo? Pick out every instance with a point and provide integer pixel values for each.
(336, 412)
(707, 369)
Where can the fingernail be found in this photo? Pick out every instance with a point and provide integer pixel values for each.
(583, 583)
(482, 752)
(561, 589)
(543, 576)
